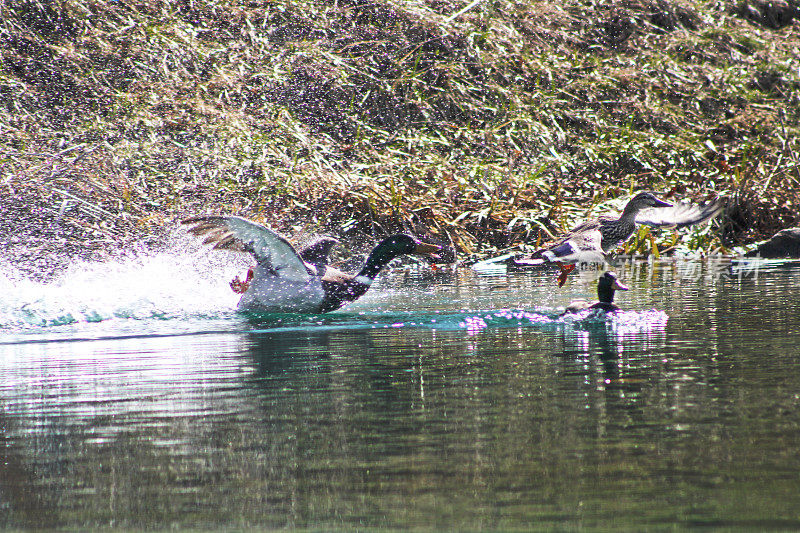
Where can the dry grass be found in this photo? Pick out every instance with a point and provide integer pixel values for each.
(486, 128)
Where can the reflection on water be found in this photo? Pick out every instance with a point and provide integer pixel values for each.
(451, 400)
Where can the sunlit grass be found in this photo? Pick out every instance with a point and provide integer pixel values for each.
(487, 128)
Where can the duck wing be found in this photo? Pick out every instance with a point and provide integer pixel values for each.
(681, 214)
(317, 251)
(588, 226)
(583, 246)
(242, 235)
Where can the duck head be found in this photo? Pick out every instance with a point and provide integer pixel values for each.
(643, 200)
(606, 285)
(394, 246)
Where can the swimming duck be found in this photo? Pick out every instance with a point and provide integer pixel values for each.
(606, 285)
(589, 241)
(287, 281)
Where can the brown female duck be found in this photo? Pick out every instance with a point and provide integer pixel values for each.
(589, 241)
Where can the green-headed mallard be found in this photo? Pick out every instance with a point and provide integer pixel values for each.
(606, 285)
(285, 280)
(589, 241)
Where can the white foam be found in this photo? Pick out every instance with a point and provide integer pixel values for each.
(182, 279)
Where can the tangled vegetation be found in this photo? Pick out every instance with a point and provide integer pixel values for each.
(485, 124)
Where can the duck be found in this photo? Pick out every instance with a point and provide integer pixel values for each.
(606, 286)
(315, 255)
(285, 280)
(592, 240)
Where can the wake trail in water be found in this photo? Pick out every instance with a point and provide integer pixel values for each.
(171, 283)
(184, 289)
(471, 321)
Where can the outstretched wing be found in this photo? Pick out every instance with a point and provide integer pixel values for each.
(317, 251)
(681, 214)
(242, 235)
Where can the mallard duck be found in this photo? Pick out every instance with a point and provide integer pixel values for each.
(589, 241)
(606, 285)
(315, 255)
(285, 280)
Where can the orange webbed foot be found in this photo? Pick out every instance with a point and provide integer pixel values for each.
(565, 270)
(240, 287)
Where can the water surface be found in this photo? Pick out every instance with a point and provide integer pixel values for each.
(133, 396)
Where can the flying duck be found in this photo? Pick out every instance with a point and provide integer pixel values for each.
(590, 241)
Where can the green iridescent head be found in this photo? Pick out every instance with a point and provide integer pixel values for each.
(391, 247)
(606, 285)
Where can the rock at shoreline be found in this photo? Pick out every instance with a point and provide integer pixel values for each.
(785, 243)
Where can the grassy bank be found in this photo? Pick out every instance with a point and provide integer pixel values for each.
(485, 124)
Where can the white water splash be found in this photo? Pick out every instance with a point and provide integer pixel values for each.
(183, 280)
(621, 323)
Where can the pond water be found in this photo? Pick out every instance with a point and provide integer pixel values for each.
(132, 396)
